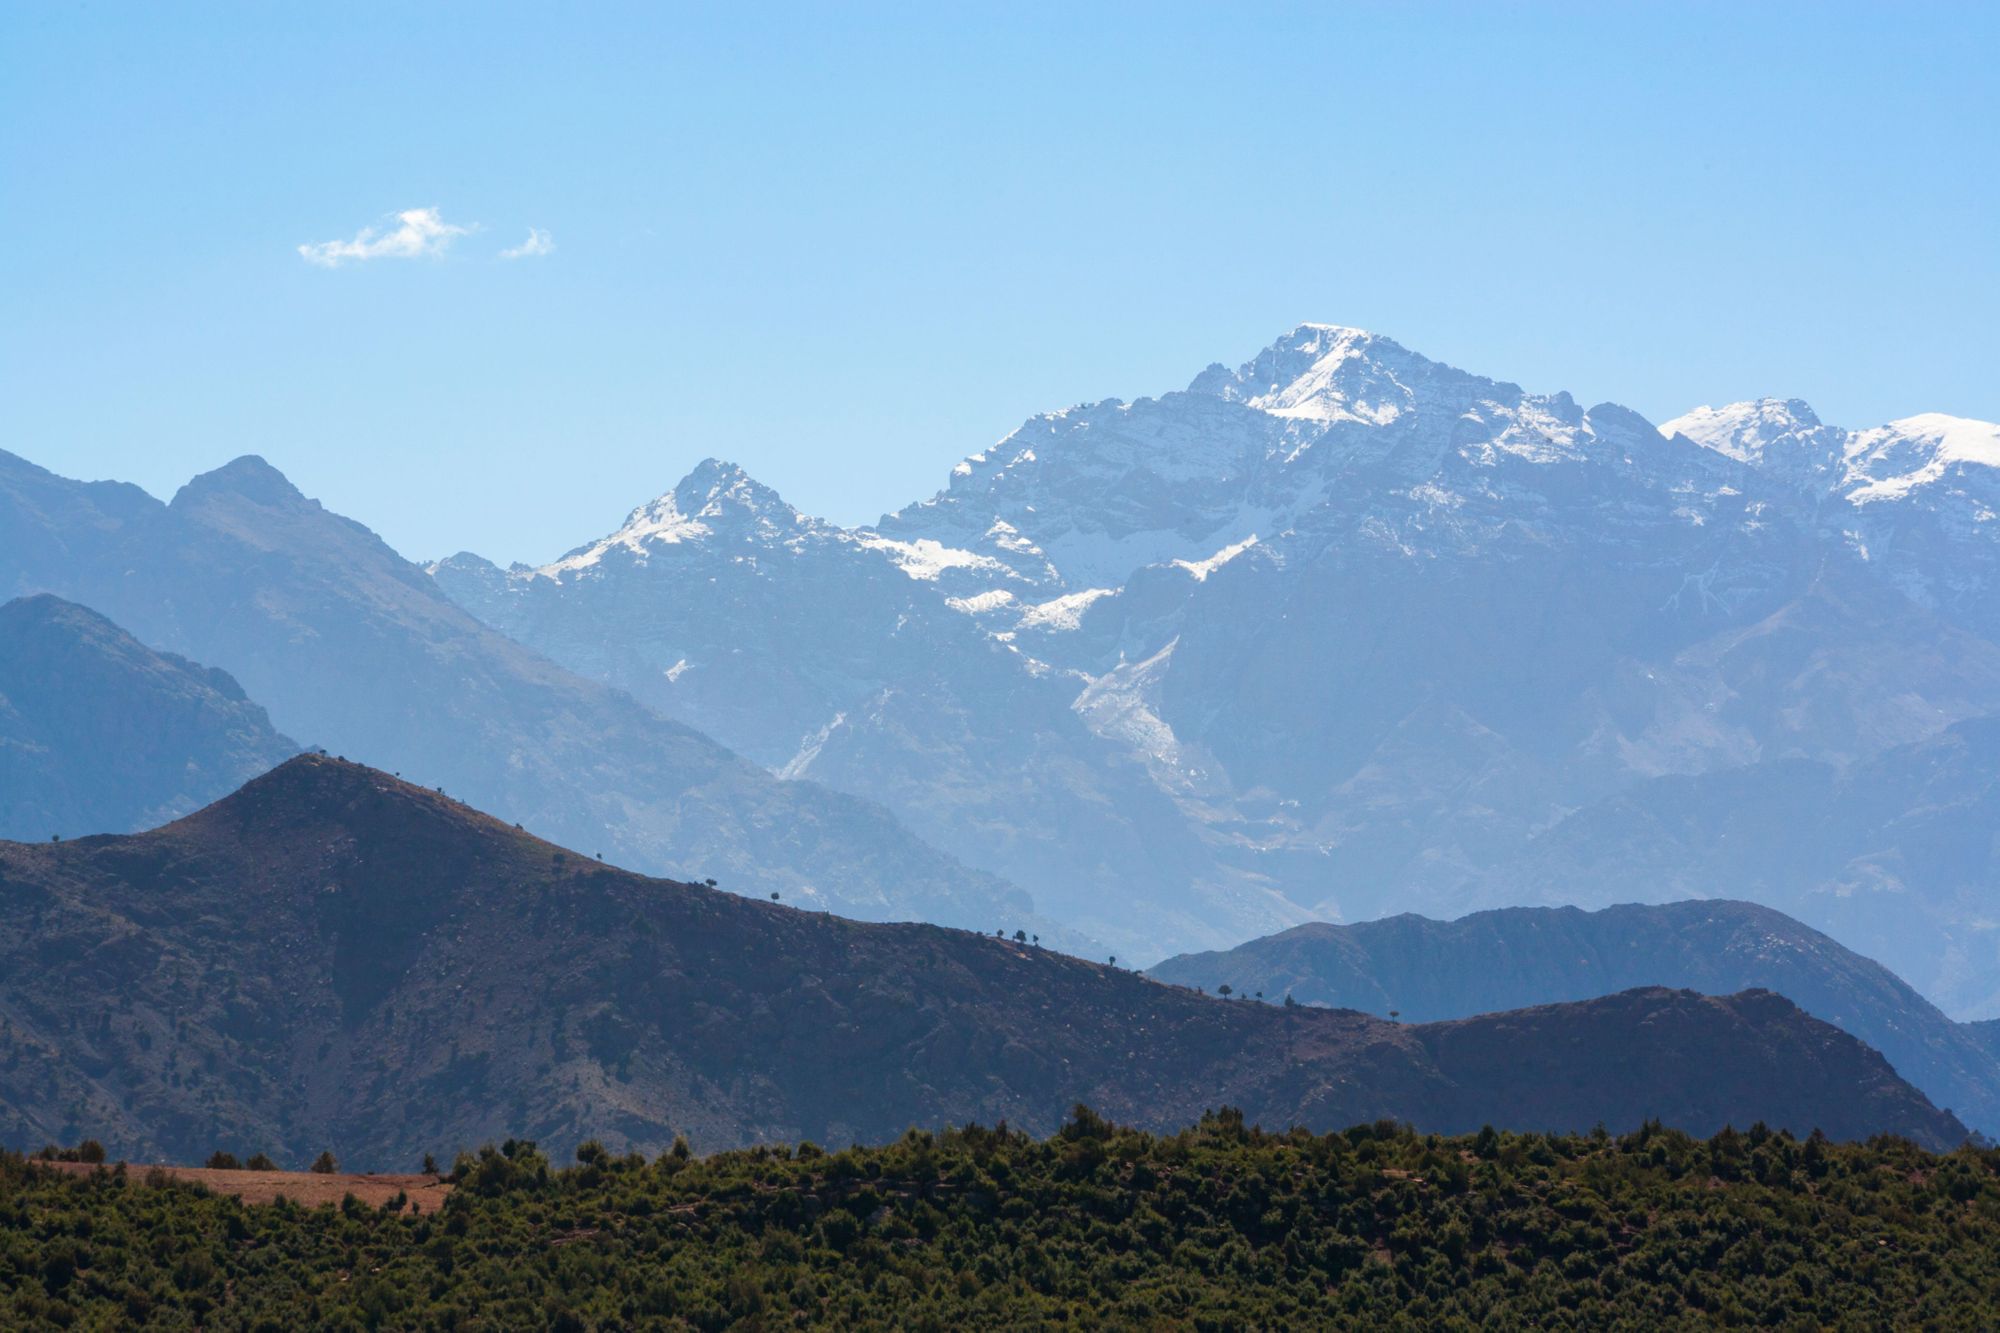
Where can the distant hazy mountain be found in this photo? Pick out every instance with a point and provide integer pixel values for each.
(334, 958)
(1429, 970)
(347, 643)
(1353, 632)
(829, 654)
(1895, 853)
(100, 734)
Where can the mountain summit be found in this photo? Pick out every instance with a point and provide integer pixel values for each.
(248, 478)
(1328, 372)
(716, 500)
(1323, 425)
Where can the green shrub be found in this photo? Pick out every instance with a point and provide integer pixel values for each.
(1223, 1225)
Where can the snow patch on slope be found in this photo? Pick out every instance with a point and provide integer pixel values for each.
(980, 603)
(809, 749)
(1201, 569)
(1063, 613)
(1122, 706)
(926, 558)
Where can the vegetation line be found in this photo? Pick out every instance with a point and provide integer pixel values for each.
(1219, 1226)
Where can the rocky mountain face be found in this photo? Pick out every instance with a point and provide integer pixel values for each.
(1915, 499)
(100, 734)
(1421, 614)
(830, 655)
(347, 643)
(1515, 957)
(334, 958)
(1338, 633)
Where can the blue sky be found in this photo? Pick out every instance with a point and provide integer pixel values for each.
(845, 245)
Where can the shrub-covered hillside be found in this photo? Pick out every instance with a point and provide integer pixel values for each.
(1216, 1227)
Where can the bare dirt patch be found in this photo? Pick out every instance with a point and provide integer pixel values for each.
(307, 1188)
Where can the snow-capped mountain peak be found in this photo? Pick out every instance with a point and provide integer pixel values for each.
(721, 491)
(1781, 436)
(1327, 430)
(715, 497)
(1337, 626)
(1889, 462)
(1785, 438)
(1917, 498)
(1744, 431)
(1331, 372)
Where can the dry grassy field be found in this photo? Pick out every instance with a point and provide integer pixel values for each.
(426, 1193)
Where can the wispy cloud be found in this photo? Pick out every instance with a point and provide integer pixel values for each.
(537, 245)
(418, 232)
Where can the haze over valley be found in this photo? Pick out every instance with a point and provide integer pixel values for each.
(605, 723)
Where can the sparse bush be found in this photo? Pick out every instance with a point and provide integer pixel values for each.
(90, 1150)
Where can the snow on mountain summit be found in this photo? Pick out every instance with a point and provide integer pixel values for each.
(1916, 497)
(1744, 430)
(1319, 432)
(1891, 462)
(1330, 372)
(1782, 436)
(715, 496)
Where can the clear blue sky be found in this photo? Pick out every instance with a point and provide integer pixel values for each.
(846, 245)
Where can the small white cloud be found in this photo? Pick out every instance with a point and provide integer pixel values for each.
(418, 232)
(537, 245)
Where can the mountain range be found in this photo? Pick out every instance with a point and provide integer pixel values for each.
(827, 654)
(1344, 632)
(1425, 971)
(348, 644)
(334, 958)
(1339, 633)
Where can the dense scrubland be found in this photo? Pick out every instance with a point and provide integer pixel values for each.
(1219, 1226)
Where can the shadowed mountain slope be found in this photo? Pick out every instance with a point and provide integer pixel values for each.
(334, 957)
(1431, 970)
(99, 733)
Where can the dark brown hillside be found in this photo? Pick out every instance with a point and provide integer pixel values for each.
(1520, 956)
(332, 957)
